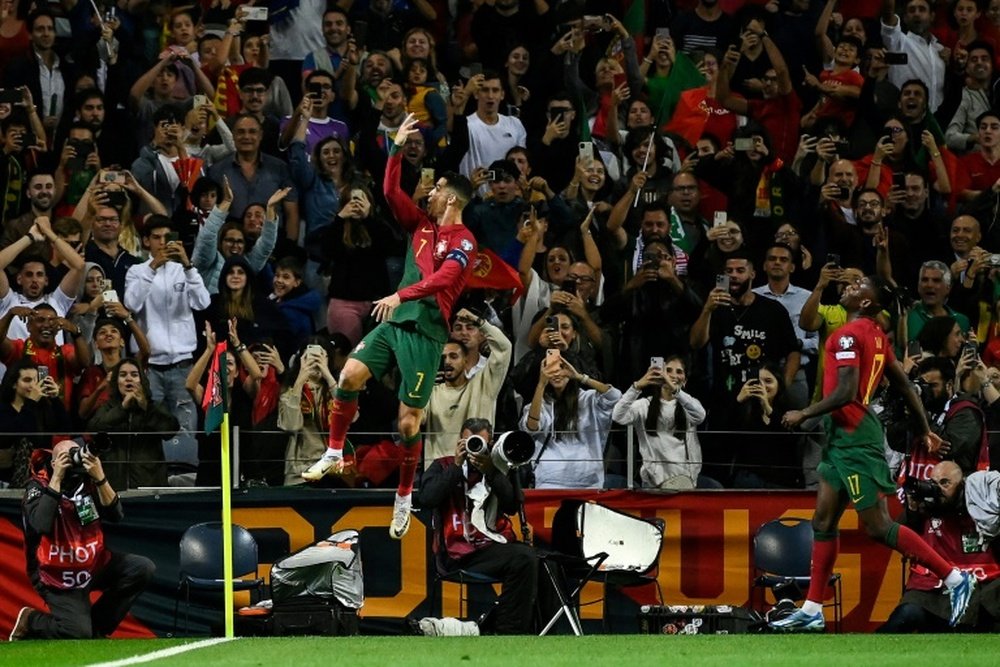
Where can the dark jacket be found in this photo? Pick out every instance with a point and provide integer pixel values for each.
(136, 454)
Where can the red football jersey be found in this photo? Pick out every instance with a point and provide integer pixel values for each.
(860, 343)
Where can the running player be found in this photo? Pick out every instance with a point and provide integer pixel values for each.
(413, 322)
(853, 467)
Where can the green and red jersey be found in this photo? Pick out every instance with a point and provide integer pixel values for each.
(438, 264)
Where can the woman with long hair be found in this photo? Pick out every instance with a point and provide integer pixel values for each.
(239, 299)
(30, 411)
(305, 405)
(569, 417)
(766, 455)
(666, 419)
(138, 427)
(355, 248)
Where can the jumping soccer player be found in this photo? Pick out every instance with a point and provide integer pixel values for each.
(413, 322)
(853, 466)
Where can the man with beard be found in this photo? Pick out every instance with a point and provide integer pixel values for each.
(459, 397)
(745, 331)
(413, 322)
(656, 223)
(114, 147)
(859, 244)
(32, 277)
(41, 196)
(955, 416)
(854, 469)
(255, 87)
(655, 309)
(962, 132)
(340, 58)
(926, 56)
(946, 525)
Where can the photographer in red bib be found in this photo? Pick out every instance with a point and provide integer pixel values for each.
(64, 504)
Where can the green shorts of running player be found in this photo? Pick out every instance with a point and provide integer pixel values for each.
(417, 356)
(855, 462)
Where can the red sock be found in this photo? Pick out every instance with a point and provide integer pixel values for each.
(824, 555)
(345, 406)
(911, 544)
(408, 468)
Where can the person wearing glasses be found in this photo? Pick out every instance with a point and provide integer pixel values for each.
(314, 112)
(219, 240)
(862, 244)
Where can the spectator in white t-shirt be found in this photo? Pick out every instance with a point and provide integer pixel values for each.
(490, 133)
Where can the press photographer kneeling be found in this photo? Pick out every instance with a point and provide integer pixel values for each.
(64, 503)
(936, 508)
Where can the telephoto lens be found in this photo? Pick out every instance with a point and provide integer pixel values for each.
(475, 444)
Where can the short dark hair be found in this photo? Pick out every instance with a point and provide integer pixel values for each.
(156, 221)
(978, 44)
(917, 82)
(253, 76)
(461, 345)
(741, 253)
(778, 244)
(37, 14)
(853, 41)
(460, 185)
(167, 112)
(291, 264)
(317, 73)
(940, 364)
(987, 114)
(477, 424)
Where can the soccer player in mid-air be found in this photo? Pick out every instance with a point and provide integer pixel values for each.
(413, 322)
(853, 466)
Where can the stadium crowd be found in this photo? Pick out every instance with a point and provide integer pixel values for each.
(670, 197)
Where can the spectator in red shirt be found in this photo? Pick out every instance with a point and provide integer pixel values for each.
(979, 171)
(779, 110)
(840, 87)
(62, 361)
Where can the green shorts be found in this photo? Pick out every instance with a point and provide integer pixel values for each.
(417, 356)
(858, 467)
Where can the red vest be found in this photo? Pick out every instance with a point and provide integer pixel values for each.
(69, 556)
(957, 540)
(921, 461)
(460, 537)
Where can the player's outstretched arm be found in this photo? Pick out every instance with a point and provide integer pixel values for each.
(846, 389)
(403, 209)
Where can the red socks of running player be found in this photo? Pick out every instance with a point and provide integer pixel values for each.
(412, 448)
(345, 407)
(824, 554)
(907, 542)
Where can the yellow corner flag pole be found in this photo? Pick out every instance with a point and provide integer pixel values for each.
(227, 527)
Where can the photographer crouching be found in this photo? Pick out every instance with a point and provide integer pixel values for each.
(64, 503)
(472, 501)
(936, 508)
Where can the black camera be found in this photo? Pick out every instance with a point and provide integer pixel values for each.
(924, 492)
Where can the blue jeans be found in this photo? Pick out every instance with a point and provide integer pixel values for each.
(168, 386)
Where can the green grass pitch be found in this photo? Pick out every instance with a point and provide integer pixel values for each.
(625, 650)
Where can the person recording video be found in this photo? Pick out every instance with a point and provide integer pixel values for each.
(473, 501)
(64, 503)
(937, 508)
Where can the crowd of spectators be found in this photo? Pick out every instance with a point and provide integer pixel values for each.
(680, 188)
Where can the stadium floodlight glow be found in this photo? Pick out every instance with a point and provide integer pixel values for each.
(512, 449)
